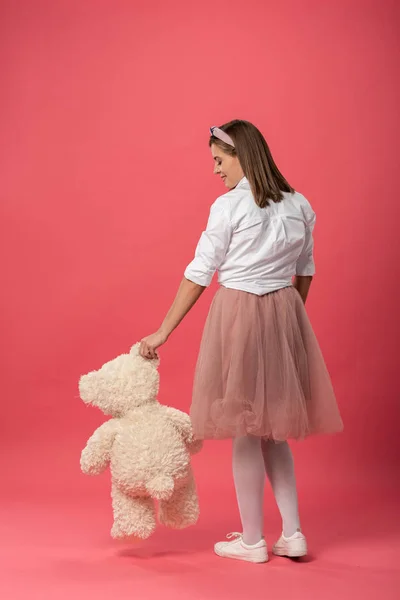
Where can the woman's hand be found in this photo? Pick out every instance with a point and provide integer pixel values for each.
(149, 344)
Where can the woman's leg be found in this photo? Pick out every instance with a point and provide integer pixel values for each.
(279, 466)
(249, 477)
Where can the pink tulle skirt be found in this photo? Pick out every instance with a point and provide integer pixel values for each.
(260, 370)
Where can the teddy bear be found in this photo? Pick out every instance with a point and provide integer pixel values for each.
(147, 445)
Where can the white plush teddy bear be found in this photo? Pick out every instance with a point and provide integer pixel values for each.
(147, 446)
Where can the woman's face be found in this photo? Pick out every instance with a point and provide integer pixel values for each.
(227, 167)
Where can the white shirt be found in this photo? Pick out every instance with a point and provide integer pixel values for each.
(256, 250)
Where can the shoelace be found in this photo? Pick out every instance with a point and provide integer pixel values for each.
(234, 536)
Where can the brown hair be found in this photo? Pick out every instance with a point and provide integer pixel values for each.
(266, 181)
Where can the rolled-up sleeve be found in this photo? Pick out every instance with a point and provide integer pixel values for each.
(305, 264)
(212, 246)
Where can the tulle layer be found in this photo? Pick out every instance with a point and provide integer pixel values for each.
(260, 370)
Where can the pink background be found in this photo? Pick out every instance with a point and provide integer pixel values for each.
(106, 183)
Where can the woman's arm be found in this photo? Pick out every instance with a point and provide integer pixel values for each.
(302, 285)
(186, 298)
(210, 253)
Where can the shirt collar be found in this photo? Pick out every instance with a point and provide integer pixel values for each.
(244, 182)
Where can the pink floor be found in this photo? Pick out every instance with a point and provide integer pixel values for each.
(55, 543)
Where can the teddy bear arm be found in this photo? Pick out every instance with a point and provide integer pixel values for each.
(183, 423)
(95, 456)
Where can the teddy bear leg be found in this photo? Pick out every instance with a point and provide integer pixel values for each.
(133, 517)
(182, 509)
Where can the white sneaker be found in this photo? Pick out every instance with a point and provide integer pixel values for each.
(236, 548)
(293, 546)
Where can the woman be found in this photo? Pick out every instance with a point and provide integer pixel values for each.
(260, 377)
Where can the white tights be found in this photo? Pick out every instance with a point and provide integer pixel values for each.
(252, 458)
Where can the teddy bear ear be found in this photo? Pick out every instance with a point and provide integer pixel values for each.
(156, 362)
(135, 349)
(134, 352)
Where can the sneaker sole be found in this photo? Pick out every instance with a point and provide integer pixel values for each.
(252, 560)
(290, 553)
